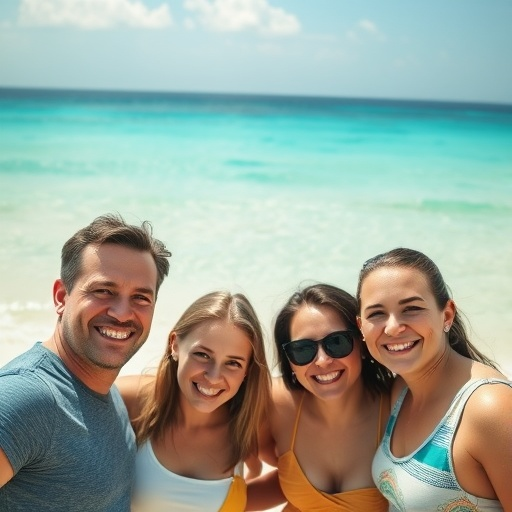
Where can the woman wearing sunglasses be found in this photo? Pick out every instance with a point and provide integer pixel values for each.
(329, 407)
(448, 444)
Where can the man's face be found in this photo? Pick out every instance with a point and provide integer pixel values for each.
(107, 315)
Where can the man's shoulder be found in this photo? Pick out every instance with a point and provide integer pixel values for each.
(25, 389)
(26, 378)
(28, 360)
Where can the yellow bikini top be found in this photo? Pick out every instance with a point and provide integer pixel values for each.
(302, 496)
(236, 498)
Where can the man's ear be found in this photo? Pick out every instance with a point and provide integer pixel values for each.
(59, 296)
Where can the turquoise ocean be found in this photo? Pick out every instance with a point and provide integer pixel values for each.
(256, 194)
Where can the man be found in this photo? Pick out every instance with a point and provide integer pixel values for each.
(65, 440)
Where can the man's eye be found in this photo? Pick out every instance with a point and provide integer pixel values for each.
(143, 299)
(102, 291)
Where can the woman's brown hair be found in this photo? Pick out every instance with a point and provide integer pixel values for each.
(247, 409)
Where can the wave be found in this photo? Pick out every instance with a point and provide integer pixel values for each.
(454, 206)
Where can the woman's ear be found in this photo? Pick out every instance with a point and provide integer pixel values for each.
(449, 314)
(172, 347)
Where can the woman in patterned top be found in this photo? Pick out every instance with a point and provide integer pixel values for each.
(448, 443)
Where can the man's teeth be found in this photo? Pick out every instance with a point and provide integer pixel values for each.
(327, 377)
(208, 391)
(397, 347)
(111, 333)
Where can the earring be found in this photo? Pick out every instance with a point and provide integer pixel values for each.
(174, 356)
(294, 378)
(446, 328)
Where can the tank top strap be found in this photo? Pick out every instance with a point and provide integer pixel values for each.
(394, 413)
(239, 469)
(296, 425)
(459, 401)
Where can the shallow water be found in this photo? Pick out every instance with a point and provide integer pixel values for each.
(258, 195)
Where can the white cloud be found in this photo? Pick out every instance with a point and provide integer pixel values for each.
(362, 29)
(240, 15)
(368, 26)
(93, 14)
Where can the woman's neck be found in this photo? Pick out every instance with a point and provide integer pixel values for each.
(355, 404)
(450, 369)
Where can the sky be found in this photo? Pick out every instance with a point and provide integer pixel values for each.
(446, 50)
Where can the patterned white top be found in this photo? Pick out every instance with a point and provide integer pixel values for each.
(424, 481)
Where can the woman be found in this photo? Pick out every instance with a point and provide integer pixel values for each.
(448, 443)
(197, 419)
(328, 407)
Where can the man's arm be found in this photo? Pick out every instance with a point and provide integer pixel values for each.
(27, 419)
(6, 471)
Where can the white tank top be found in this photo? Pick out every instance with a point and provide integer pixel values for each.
(157, 489)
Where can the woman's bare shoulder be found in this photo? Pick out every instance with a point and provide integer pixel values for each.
(133, 389)
(491, 400)
(285, 403)
(487, 416)
(283, 397)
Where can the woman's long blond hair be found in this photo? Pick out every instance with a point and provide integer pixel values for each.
(247, 409)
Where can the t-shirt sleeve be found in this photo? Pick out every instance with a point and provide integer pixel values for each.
(27, 417)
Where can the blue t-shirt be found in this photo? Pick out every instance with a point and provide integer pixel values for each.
(71, 449)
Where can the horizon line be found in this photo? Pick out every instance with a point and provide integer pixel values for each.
(155, 92)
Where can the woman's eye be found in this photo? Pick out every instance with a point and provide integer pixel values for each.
(235, 364)
(374, 314)
(202, 355)
(413, 309)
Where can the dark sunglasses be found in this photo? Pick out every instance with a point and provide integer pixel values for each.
(337, 344)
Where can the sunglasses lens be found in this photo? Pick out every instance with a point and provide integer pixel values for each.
(338, 344)
(301, 352)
